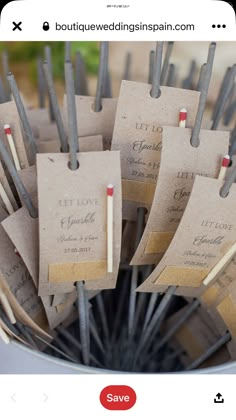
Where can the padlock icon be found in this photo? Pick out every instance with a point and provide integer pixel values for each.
(46, 26)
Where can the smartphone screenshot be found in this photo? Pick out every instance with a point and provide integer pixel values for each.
(117, 209)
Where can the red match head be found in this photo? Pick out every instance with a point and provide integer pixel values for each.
(225, 161)
(183, 114)
(110, 190)
(7, 129)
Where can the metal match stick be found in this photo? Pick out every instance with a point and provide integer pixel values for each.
(5, 65)
(48, 58)
(81, 85)
(134, 278)
(209, 352)
(203, 95)
(156, 91)
(151, 66)
(224, 97)
(22, 114)
(83, 306)
(223, 85)
(67, 51)
(166, 62)
(55, 107)
(101, 75)
(126, 74)
(201, 77)
(171, 77)
(41, 83)
(2, 92)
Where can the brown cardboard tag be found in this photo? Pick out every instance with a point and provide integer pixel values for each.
(16, 282)
(180, 162)
(73, 221)
(206, 232)
(9, 115)
(29, 179)
(86, 144)
(29, 175)
(38, 117)
(138, 135)
(23, 232)
(7, 188)
(91, 123)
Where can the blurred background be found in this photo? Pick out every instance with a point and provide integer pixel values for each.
(23, 63)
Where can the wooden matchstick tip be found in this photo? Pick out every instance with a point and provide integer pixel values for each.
(7, 129)
(225, 161)
(183, 114)
(110, 190)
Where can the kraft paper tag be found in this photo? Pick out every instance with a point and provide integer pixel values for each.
(73, 219)
(47, 132)
(180, 163)
(9, 115)
(23, 232)
(86, 144)
(92, 123)
(138, 135)
(206, 232)
(7, 188)
(29, 175)
(29, 178)
(38, 117)
(16, 282)
(58, 299)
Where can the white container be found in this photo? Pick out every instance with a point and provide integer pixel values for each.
(16, 358)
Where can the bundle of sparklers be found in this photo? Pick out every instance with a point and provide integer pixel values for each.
(117, 234)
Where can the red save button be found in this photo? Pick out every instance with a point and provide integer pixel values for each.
(118, 397)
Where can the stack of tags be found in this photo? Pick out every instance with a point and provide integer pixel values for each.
(106, 197)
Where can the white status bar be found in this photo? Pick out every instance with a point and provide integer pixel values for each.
(119, 20)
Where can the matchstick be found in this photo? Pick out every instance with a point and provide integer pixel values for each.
(182, 117)
(22, 114)
(7, 307)
(5, 199)
(4, 336)
(224, 260)
(205, 82)
(165, 66)
(7, 130)
(224, 165)
(110, 192)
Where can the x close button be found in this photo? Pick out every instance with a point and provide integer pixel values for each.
(17, 26)
(118, 397)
